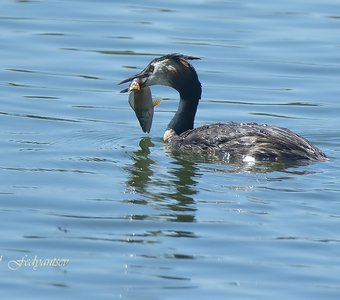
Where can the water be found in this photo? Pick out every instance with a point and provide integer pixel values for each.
(81, 182)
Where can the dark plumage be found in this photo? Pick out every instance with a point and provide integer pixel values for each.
(245, 140)
(229, 140)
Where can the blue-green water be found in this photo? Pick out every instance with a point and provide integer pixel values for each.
(80, 181)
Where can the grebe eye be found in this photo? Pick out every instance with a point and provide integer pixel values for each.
(150, 69)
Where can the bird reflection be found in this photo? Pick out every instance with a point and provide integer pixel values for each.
(141, 172)
(172, 187)
(169, 182)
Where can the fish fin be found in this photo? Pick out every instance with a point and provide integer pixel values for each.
(156, 102)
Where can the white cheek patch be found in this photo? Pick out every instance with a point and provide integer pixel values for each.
(160, 74)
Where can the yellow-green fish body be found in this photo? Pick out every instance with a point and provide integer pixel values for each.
(140, 100)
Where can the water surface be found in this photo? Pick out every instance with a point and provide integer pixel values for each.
(80, 181)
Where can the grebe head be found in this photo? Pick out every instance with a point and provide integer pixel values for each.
(172, 70)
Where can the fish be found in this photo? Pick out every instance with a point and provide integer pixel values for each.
(140, 100)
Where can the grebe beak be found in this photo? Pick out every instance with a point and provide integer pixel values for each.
(142, 80)
(135, 86)
(139, 75)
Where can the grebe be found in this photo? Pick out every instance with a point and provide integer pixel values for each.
(231, 140)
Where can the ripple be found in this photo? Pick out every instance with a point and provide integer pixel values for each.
(80, 179)
(47, 118)
(45, 170)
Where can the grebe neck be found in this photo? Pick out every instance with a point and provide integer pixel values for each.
(190, 90)
(184, 117)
